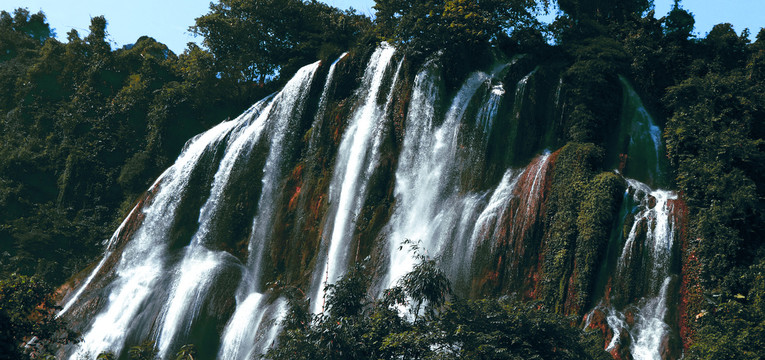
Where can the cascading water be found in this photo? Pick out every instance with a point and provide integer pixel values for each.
(239, 341)
(488, 111)
(252, 328)
(643, 155)
(200, 266)
(490, 221)
(427, 204)
(520, 95)
(636, 298)
(637, 282)
(357, 153)
(108, 253)
(198, 269)
(430, 211)
(288, 111)
(322, 108)
(143, 261)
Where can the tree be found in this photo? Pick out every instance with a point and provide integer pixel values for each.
(505, 329)
(425, 284)
(84, 129)
(604, 10)
(679, 23)
(253, 40)
(725, 49)
(21, 36)
(250, 39)
(32, 25)
(97, 36)
(713, 138)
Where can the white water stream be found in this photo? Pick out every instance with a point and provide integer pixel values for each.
(357, 153)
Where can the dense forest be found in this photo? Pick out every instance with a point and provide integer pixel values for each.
(86, 129)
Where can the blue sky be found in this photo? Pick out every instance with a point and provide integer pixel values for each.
(168, 20)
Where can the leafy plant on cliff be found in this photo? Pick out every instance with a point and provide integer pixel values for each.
(28, 314)
(597, 214)
(575, 165)
(715, 140)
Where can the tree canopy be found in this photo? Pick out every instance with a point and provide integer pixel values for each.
(259, 40)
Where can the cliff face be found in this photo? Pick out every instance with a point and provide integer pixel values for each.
(355, 157)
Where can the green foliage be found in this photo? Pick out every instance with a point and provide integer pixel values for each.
(333, 334)
(84, 130)
(426, 283)
(679, 22)
(604, 10)
(658, 54)
(258, 40)
(736, 327)
(28, 25)
(597, 213)
(106, 356)
(27, 310)
(592, 90)
(348, 296)
(502, 329)
(714, 139)
(726, 49)
(474, 329)
(187, 352)
(459, 31)
(145, 351)
(575, 165)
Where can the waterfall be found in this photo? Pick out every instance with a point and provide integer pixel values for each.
(253, 327)
(644, 149)
(239, 340)
(520, 95)
(322, 108)
(356, 154)
(200, 266)
(424, 191)
(143, 261)
(108, 253)
(429, 210)
(490, 221)
(636, 301)
(284, 117)
(488, 111)
(464, 189)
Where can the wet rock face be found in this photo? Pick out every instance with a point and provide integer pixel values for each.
(516, 237)
(651, 202)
